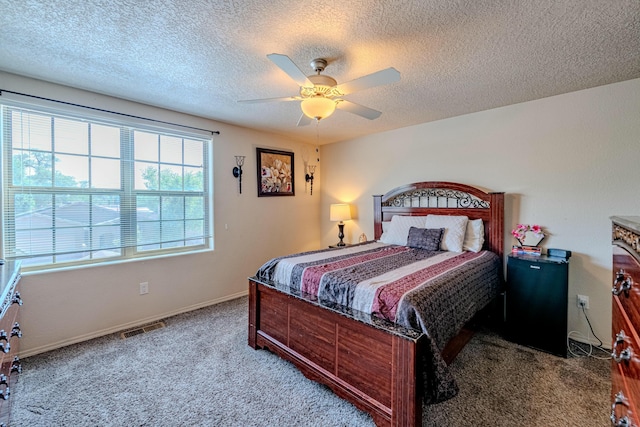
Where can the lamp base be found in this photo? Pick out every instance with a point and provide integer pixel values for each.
(341, 234)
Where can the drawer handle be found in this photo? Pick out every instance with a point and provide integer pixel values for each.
(5, 394)
(619, 399)
(16, 299)
(3, 379)
(17, 365)
(625, 354)
(620, 422)
(5, 347)
(623, 283)
(15, 331)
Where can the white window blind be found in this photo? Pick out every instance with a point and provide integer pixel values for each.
(78, 190)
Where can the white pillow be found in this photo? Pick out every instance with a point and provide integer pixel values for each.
(399, 229)
(474, 236)
(454, 230)
(385, 229)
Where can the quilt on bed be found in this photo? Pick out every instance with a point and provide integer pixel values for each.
(434, 292)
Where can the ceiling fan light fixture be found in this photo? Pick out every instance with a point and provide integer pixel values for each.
(321, 94)
(318, 107)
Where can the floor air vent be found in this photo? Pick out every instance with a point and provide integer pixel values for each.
(142, 329)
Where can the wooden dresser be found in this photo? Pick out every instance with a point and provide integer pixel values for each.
(625, 364)
(10, 334)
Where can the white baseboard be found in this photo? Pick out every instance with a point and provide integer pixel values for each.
(125, 326)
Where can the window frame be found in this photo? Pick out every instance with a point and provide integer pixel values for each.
(130, 247)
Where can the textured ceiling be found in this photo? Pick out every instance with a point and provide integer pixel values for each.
(200, 57)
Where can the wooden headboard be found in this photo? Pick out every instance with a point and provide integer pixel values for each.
(444, 198)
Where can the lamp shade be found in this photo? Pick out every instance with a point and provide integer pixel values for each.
(318, 107)
(339, 212)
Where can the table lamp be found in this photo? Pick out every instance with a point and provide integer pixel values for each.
(340, 212)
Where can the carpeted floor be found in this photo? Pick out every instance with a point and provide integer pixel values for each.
(199, 371)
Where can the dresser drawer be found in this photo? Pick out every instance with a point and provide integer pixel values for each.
(625, 365)
(626, 283)
(9, 328)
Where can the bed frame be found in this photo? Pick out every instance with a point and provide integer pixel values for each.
(370, 362)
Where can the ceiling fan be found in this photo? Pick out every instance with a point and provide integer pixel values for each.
(321, 94)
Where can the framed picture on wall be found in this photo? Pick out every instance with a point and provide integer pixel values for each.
(275, 173)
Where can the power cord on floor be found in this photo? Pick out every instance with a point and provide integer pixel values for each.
(581, 352)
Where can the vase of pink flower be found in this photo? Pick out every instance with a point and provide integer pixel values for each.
(528, 235)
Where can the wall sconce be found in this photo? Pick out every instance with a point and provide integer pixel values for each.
(309, 177)
(237, 171)
(340, 212)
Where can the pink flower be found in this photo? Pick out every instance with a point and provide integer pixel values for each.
(521, 230)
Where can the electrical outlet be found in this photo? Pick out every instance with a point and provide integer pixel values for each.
(583, 301)
(144, 288)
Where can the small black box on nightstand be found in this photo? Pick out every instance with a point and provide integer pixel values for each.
(559, 253)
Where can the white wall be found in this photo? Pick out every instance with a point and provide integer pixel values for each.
(67, 306)
(567, 162)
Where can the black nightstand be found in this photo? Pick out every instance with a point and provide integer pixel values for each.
(537, 300)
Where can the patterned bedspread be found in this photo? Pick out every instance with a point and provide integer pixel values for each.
(433, 292)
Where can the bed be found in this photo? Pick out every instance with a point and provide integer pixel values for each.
(349, 321)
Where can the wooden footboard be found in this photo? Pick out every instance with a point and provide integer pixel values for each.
(374, 369)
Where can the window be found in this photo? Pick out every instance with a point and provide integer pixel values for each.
(78, 190)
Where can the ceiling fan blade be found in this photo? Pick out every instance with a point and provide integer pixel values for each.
(304, 120)
(382, 77)
(288, 66)
(255, 101)
(360, 110)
